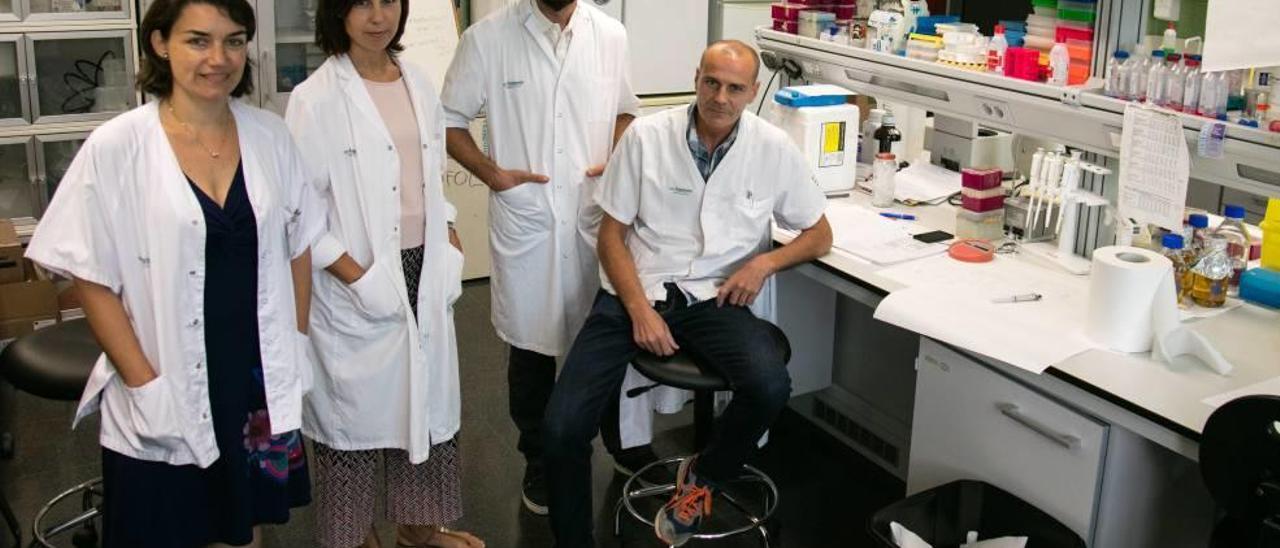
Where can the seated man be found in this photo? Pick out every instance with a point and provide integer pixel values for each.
(687, 196)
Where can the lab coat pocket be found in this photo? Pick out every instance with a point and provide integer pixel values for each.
(375, 293)
(751, 224)
(453, 275)
(153, 414)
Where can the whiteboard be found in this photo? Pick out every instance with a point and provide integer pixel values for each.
(430, 39)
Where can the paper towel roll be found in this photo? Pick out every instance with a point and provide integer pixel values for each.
(1133, 307)
(1123, 286)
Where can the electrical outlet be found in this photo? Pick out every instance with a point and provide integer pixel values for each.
(995, 110)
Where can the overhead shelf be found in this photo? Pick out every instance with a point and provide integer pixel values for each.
(1080, 117)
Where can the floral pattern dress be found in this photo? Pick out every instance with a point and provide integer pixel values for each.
(258, 477)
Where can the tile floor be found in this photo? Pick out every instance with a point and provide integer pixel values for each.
(828, 491)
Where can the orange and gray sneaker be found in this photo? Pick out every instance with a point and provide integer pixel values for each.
(679, 518)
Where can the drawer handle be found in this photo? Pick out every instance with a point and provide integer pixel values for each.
(1012, 411)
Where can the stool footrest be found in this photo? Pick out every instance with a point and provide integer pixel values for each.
(750, 474)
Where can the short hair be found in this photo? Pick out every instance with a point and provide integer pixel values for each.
(155, 76)
(737, 46)
(331, 26)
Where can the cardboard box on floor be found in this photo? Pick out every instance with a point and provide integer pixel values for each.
(28, 304)
(11, 269)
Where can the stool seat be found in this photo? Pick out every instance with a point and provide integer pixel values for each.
(54, 362)
(682, 371)
(679, 370)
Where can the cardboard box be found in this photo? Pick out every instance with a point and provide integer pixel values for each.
(11, 269)
(27, 305)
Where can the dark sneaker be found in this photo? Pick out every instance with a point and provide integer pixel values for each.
(679, 518)
(628, 461)
(534, 491)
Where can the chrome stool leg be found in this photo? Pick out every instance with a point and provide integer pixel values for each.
(42, 535)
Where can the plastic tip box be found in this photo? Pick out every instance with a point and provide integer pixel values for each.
(980, 179)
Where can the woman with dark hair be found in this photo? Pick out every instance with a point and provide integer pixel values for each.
(186, 225)
(386, 276)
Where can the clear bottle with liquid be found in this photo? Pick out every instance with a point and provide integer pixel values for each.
(1172, 249)
(1213, 95)
(1199, 225)
(1191, 85)
(1138, 67)
(1175, 78)
(1238, 242)
(1211, 276)
(1155, 78)
(1117, 84)
(882, 184)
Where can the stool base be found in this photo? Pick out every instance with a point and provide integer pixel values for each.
(750, 474)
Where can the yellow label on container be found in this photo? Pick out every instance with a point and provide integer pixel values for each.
(832, 145)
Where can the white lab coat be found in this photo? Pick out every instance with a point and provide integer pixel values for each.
(125, 218)
(553, 121)
(384, 380)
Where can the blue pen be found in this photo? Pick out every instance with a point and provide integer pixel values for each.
(899, 216)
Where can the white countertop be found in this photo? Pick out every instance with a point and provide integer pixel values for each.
(1248, 336)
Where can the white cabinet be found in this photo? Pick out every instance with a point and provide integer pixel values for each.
(80, 75)
(17, 186)
(971, 422)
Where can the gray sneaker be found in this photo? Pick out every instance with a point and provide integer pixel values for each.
(679, 518)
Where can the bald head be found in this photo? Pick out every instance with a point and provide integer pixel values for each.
(731, 52)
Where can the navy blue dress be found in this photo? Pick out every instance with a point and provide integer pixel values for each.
(257, 477)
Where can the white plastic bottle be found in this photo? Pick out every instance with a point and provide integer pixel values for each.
(1059, 64)
(1169, 43)
(995, 51)
(1117, 84)
(1175, 79)
(1155, 78)
(1191, 85)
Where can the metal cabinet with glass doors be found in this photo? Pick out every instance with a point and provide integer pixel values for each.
(287, 50)
(66, 66)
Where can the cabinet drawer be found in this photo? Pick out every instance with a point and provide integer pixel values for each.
(973, 423)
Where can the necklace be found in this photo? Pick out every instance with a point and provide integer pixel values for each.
(215, 154)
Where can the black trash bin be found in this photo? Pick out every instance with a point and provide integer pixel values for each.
(942, 516)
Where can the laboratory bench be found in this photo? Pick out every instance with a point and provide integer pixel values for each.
(1105, 442)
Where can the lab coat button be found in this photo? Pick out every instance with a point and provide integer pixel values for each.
(205, 415)
(389, 147)
(191, 272)
(393, 188)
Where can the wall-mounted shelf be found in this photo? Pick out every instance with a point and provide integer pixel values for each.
(1076, 116)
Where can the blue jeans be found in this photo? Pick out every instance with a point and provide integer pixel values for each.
(743, 348)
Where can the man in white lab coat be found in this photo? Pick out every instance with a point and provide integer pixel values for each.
(551, 78)
(684, 250)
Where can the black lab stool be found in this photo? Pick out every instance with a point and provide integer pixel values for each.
(54, 363)
(682, 371)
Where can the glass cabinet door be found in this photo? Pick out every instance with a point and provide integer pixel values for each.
(289, 53)
(17, 180)
(80, 75)
(9, 10)
(53, 156)
(55, 10)
(14, 108)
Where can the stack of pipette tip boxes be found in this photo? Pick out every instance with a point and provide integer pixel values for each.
(981, 214)
(812, 17)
